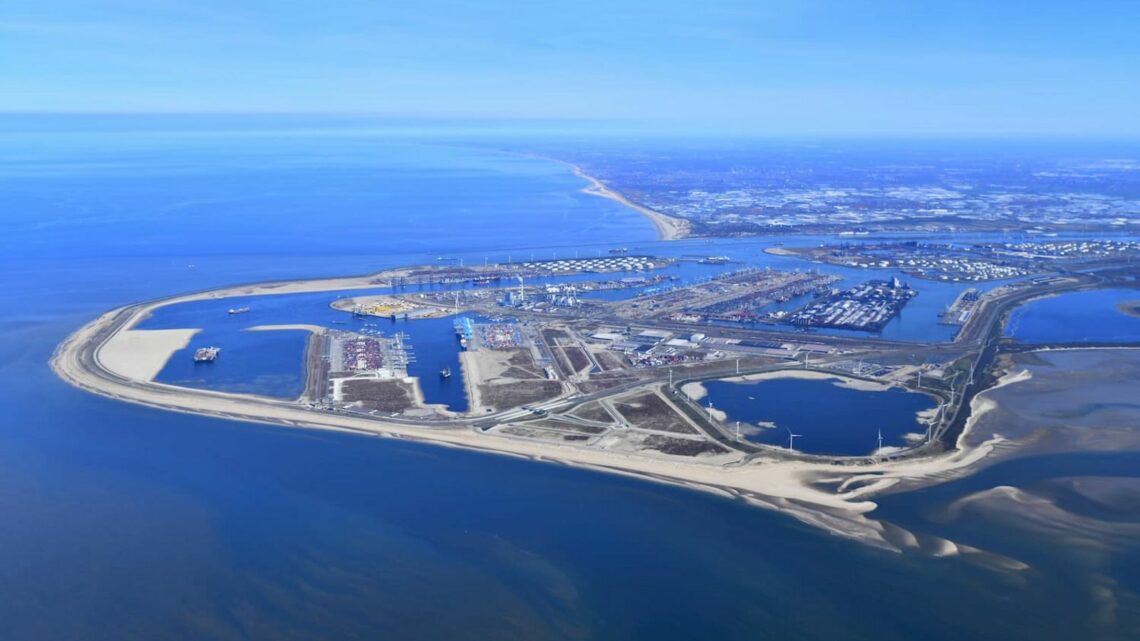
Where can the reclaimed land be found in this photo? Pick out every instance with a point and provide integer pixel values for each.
(819, 492)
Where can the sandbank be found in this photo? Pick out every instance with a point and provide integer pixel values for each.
(140, 354)
(813, 375)
(694, 390)
(1129, 308)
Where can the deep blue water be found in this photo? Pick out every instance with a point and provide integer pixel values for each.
(827, 418)
(271, 363)
(124, 522)
(1090, 317)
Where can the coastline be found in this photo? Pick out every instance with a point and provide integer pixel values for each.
(803, 489)
(469, 365)
(141, 354)
(668, 227)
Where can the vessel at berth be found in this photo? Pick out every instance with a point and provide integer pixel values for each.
(206, 354)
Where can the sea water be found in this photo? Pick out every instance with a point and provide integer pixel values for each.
(1077, 317)
(125, 522)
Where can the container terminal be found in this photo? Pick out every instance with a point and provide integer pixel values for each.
(867, 307)
(602, 377)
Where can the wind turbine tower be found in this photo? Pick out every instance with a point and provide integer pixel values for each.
(792, 440)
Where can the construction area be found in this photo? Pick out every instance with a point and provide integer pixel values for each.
(393, 307)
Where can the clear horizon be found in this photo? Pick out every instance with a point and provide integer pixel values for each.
(774, 68)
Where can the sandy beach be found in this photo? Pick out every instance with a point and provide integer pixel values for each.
(779, 251)
(140, 354)
(803, 489)
(469, 363)
(668, 227)
(694, 390)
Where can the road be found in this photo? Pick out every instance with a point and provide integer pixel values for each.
(981, 336)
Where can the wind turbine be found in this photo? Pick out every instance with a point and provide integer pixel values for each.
(792, 440)
(920, 365)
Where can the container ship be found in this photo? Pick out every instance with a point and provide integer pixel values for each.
(206, 354)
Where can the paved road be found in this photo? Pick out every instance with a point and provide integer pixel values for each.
(980, 335)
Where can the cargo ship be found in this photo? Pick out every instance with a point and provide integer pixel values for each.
(206, 354)
(238, 310)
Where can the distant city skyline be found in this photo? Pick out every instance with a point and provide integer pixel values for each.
(783, 68)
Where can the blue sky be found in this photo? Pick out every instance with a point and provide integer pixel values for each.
(804, 67)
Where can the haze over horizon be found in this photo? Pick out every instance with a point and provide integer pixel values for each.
(785, 68)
